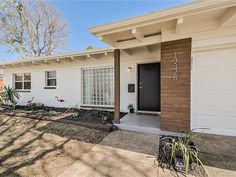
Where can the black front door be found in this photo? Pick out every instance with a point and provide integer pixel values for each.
(149, 87)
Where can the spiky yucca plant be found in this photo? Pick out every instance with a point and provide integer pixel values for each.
(184, 147)
(9, 96)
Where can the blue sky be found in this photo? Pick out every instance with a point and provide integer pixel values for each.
(80, 15)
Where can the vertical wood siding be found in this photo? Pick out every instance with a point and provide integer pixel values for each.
(175, 95)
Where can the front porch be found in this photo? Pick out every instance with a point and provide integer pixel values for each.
(161, 84)
(144, 123)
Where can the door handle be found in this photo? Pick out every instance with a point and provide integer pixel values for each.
(140, 87)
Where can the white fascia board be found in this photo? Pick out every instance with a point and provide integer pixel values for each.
(161, 16)
(57, 58)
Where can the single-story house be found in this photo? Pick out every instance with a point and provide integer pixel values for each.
(179, 63)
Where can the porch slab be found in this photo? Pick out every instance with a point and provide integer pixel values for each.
(141, 120)
(140, 123)
(144, 123)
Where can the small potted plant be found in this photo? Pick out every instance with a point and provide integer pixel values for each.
(131, 108)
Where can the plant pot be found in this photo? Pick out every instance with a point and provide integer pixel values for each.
(131, 111)
(179, 154)
(179, 162)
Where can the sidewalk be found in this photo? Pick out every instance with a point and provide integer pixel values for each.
(103, 161)
(125, 154)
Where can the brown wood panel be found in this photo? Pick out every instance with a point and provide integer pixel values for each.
(117, 85)
(175, 95)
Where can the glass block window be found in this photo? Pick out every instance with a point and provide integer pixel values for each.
(22, 81)
(50, 79)
(98, 86)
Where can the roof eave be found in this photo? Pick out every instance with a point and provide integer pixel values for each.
(163, 15)
(58, 58)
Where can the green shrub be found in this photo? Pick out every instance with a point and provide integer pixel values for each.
(35, 106)
(52, 113)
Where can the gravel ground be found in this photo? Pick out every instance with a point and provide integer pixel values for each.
(74, 132)
(40, 148)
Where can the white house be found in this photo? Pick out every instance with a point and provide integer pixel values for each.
(179, 62)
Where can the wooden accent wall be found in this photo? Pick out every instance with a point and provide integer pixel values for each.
(175, 95)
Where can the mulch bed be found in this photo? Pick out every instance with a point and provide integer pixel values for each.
(164, 161)
(94, 116)
(81, 115)
(88, 135)
(61, 125)
(95, 119)
(40, 113)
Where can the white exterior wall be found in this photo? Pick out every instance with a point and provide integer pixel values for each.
(213, 89)
(69, 79)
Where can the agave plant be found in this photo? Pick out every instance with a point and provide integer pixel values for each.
(9, 96)
(2, 98)
(184, 148)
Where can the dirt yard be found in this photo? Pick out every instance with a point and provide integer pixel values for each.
(33, 148)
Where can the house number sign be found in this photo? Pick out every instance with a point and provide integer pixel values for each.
(175, 68)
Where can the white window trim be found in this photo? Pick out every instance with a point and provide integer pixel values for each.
(23, 81)
(45, 73)
(82, 90)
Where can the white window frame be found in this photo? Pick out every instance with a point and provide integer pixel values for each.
(23, 81)
(82, 86)
(46, 78)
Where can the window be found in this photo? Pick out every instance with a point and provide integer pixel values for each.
(50, 80)
(98, 86)
(22, 81)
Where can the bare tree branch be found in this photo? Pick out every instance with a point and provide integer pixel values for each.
(31, 28)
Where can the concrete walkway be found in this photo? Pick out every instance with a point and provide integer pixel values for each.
(120, 154)
(103, 161)
(114, 157)
(133, 141)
